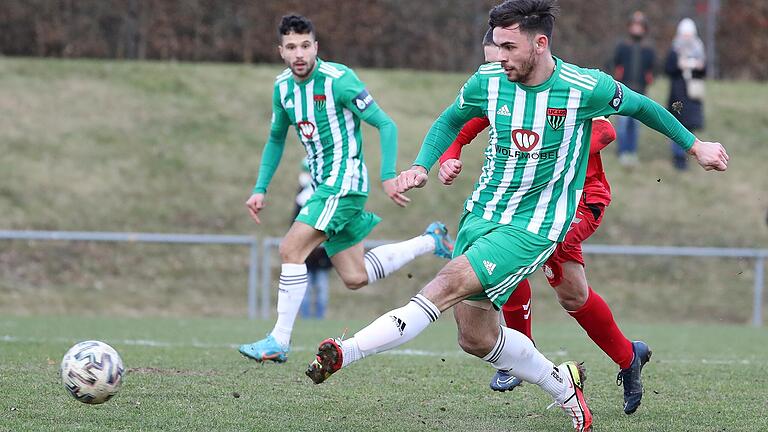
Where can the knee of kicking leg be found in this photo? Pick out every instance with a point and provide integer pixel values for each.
(475, 344)
(355, 281)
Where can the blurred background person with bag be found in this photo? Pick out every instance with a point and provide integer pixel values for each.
(686, 67)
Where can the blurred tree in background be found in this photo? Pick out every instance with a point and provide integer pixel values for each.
(438, 35)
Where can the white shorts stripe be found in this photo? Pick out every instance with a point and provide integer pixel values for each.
(328, 211)
(494, 292)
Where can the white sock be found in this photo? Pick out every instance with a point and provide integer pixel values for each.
(380, 262)
(392, 329)
(291, 289)
(515, 353)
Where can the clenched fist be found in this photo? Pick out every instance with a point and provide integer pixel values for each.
(449, 170)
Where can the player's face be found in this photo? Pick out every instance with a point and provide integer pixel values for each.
(491, 53)
(516, 52)
(299, 52)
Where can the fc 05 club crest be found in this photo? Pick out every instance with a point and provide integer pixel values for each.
(556, 117)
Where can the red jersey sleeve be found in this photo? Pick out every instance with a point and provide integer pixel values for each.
(603, 134)
(469, 132)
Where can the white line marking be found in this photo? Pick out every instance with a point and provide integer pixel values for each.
(397, 352)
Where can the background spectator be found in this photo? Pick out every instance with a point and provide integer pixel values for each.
(633, 62)
(686, 67)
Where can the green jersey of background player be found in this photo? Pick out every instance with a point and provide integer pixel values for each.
(540, 110)
(325, 102)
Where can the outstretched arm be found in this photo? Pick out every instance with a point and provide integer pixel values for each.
(388, 138)
(613, 97)
(270, 158)
(442, 133)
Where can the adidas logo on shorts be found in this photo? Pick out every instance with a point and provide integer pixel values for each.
(489, 266)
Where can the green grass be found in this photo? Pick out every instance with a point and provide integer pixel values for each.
(174, 147)
(183, 375)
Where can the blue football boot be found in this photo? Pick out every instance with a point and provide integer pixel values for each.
(630, 377)
(443, 242)
(503, 381)
(265, 349)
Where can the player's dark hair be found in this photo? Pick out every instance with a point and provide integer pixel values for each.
(533, 16)
(488, 38)
(295, 24)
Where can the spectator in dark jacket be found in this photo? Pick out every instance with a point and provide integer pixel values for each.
(633, 63)
(686, 67)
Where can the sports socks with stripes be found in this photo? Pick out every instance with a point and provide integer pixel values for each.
(391, 330)
(380, 262)
(292, 286)
(515, 353)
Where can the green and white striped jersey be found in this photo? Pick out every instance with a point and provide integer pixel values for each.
(326, 110)
(536, 158)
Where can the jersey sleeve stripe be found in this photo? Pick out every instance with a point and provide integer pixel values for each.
(578, 83)
(571, 76)
(333, 72)
(584, 77)
(283, 75)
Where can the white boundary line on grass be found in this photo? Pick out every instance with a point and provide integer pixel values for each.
(400, 352)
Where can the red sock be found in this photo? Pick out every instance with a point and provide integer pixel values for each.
(517, 309)
(596, 319)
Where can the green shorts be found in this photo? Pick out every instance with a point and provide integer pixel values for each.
(342, 218)
(501, 255)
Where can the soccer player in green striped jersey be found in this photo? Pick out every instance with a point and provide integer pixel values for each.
(540, 110)
(326, 103)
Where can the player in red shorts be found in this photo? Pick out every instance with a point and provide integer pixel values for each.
(565, 268)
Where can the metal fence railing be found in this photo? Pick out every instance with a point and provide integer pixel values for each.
(252, 242)
(759, 255)
(259, 294)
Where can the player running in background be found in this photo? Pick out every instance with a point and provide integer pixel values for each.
(524, 201)
(326, 102)
(565, 268)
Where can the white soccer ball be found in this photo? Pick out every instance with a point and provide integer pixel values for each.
(92, 372)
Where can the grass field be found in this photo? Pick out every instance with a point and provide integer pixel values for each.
(174, 147)
(184, 374)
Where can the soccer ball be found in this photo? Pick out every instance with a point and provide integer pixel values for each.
(92, 372)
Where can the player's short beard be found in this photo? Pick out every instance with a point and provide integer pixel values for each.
(526, 68)
(310, 68)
